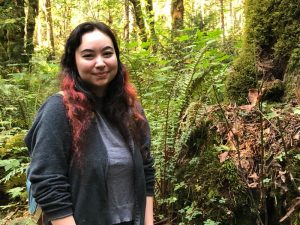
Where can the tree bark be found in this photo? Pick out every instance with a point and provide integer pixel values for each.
(151, 23)
(138, 14)
(126, 24)
(177, 12)
(222, 19)
(12, 33)
(50, 34)
(33, 9)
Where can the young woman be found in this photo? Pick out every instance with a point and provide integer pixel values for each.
(89, 144)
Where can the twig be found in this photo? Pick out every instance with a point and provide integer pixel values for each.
(283, 141)
(236, 138)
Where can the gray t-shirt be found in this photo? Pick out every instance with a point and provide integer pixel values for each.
(120, 172)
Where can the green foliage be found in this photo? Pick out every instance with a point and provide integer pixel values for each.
(21, 94)
(210, 222)
(272, 29)
(242, 76)
(180, 72)
(13, 163)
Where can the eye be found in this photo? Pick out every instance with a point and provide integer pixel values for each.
(108, 54)
(88, 56)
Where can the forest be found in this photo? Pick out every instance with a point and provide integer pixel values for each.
(220, 84)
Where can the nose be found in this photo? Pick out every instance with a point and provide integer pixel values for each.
(99, 62)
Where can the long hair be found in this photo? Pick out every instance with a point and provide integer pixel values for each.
(120, 103)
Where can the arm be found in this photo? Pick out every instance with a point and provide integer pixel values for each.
(149, 211)
(69, 220)
(49, 142)
(149, 171)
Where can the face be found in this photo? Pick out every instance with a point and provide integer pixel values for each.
(96, 61)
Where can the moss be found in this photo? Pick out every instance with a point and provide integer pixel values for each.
(274, 91)
(16, 141)
(241, 79)
(273, 30)
(212, 188)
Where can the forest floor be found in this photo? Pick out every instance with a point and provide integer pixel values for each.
(253, 136)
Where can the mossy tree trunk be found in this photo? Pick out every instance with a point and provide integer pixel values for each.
(33, 9)
(271, 45)
(151, 23)
(50, 34)
(12, 32)
(126, 24)
(177, 12)
(138, 14)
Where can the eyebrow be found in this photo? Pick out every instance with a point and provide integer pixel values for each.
(91, 50)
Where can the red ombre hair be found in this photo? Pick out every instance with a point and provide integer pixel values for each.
(120, 104)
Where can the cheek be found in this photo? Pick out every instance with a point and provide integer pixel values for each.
(113, 62)
(84, 66)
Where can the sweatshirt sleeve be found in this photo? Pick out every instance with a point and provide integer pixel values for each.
(49, 144)
(148, 160)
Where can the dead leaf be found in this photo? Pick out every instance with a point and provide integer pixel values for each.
(297, 136)
(223, 156)
(282, 176)
(253, 96)
(254, 176)
(247, 107)
(253, 185)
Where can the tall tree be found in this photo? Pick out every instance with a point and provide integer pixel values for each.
(126, 22)
(50, 35)
(177, 12)
(12, 32)
(33, 9)
(151, 22)
(138, 14)
(222, 19)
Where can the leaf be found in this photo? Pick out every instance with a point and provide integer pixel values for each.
(271, 115)
(253, 185)
(296, 110)
(254, 176)
(16, 192)
(223, 156)
(253, 96)
(9, 164)
(247, 107)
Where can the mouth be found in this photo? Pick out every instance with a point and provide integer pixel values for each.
(101, 74)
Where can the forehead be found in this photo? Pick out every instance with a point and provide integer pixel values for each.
(95, 38)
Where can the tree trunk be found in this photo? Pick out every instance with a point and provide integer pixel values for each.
(12, 33)
(67, 19)
(151, 23)
(50, 28)
(177, 12)
(126, 24)
(138, 14)
(222, 19)
(33, 9)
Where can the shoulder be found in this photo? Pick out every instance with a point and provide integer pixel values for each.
(52, 113)
(53, 107)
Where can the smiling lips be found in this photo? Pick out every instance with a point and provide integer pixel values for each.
(101, 74)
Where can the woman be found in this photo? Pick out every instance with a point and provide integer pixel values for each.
(89, 145)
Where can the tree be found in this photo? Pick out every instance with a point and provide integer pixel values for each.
(270, 49)
(33, 9)
(151, 22)
(138, 14)
(50, 35)
(126, 22)
(12, 32)
(222, 19)
(177, 12)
